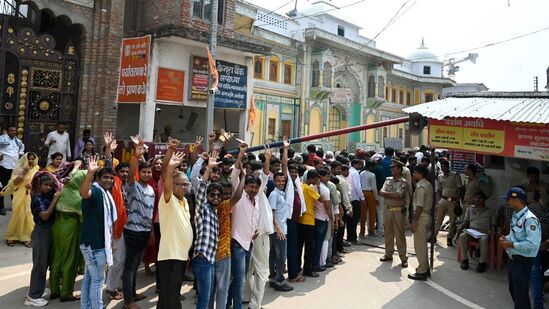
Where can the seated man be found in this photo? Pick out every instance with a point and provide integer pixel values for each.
(481, 218)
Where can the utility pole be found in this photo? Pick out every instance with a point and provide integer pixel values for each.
(536, 89)
(211, 94)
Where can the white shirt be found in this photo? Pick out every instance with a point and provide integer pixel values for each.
(320, 211)
(354, 181)
(62, 145)
(368, 182)
(11, 149)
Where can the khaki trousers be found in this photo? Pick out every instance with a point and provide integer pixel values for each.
(420, 243)
(394, 223)
(445, 207)
(258, 273)
(368, 211)
(464, 237)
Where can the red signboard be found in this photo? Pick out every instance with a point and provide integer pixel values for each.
(169, 85)
(486, 136)
(134, 65)
(199, 78)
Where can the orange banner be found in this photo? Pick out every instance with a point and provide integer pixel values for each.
(134, 66)
(170, 85)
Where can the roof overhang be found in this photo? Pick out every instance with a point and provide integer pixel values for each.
(529, 109)
(445, 82)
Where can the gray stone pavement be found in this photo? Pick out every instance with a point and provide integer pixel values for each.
(360, 282)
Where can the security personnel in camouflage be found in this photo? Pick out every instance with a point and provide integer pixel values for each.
(395, 190)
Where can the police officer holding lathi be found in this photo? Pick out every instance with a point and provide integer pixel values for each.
(522, 245)
(394, 191)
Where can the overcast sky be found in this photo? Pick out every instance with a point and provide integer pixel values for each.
(450, 26)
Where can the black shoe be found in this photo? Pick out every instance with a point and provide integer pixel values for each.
(329, 265)
(449, 242)
(3, 212)
(346, 243)
(272, 284)
(428, 273)
(418, 276)
(283, 288)
(404, 264)
(464, 264)
(319, 269)
(481, 267)
(311, 274)
(385, 259)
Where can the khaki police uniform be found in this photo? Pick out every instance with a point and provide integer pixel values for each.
(423, 197)
(395, 217)
(450, 185)
(480, 219)
(471, 189)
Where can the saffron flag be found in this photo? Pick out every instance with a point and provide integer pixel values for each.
(251, 114)
(213, 72)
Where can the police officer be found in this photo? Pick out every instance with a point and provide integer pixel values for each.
(421, 223)
(448, 190)
(522, 245)
(394, 191)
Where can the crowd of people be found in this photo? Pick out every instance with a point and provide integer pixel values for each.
(239, 223)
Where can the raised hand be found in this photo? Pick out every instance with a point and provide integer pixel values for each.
(199, 140)
(176, 159)
(212, 137)
(205, 156)
(173, 143)
(139, 150)
(92, 165)
(243, 146)
(285, 142)
(108, 138)
(137, 140)
(268, 153)
(213, 159)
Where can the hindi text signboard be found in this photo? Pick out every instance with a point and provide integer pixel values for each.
(134, 65)
(199, 78)
(170, 85)
(233, 79)
(486, 136)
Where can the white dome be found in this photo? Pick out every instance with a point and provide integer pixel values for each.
(423, 53)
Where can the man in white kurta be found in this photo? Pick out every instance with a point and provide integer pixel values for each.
(59, 141)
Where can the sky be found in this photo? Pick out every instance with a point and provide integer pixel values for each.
(450, 26)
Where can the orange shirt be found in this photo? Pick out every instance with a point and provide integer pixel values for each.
(224, 242)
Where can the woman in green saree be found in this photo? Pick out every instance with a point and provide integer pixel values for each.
(65, 233)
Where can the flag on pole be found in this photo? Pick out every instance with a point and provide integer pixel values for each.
(251, 114)
(213, 72)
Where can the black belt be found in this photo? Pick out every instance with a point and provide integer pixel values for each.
(450, 199)
(519, 258)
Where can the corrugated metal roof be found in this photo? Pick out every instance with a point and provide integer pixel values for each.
(535, 110)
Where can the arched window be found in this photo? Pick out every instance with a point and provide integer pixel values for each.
(315, 74)
(371, 86)
(273, 69)
(288, 72)
(258, 67)
(381, 87)
(327, 75)
(334, 123)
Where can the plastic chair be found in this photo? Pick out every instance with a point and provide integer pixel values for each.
(475, 244)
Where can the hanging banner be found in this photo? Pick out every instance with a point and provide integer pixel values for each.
(134, 65)
(199, 79)
(486, 136)
(170, 85)
(232, 87)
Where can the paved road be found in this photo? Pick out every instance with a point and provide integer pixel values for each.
(360, 282)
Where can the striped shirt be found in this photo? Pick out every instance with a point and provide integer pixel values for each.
(207, 225)
(140, 207)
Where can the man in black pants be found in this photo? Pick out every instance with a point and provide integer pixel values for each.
(11, 148)
(138, 227)
(306, 225)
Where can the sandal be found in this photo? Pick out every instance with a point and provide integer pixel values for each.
(139, 297)
(27, 244)
(297, 279)
(10, 243)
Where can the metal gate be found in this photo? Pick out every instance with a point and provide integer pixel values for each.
(38, 83)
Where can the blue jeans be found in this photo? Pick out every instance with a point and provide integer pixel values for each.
(321, 227)
(94, 276)
(277, 259)
(536, 282)
(222, 282)
(203, 272)
(240, 261)
(291, 248)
